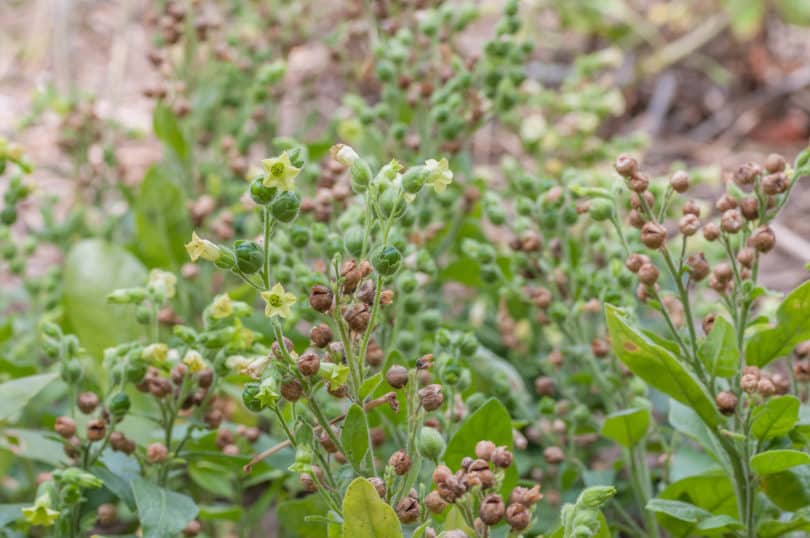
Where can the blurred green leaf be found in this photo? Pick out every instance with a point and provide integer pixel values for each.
(354, 436)
(776, 461)
(790, 489)
(162, 222)
(718, 352)
(167, 129)
(292, 514)
(746, 16)
(627, 427)
(792, 326)
(15, 394)
(366, 515)
(161, 512)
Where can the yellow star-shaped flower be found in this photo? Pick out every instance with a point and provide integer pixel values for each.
(194, 361)
(222, 307)
(163, 280)
(278, 301)
(439, 174)
(280, 172)
(201, 248)
(41, 513)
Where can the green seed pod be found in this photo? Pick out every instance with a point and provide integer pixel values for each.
(249, 256)
(72, 371)
(558, 312)
(475, 401)
(430, 443)
(143, 314)
(414, 179)
(353, 239)
(430, 320)
(186, 334)
(299, 236)
(51, 348)
(407, 282)
(136, 369)
(601, 209)
(119, 405)
(468, 344)
(71, 494)
(262, 195)
(406, 341)
(319, 232)
(334, 245)
(386, 260)
(412, 304)
(285, 207)
(361, 174)
(250, 397)
(226, 259)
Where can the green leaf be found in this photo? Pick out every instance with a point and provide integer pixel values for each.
(455, 521)
(711, 492)
(10, 513)
(792, 327)
(93, 269)
(771, 528)
(789, 490)
(33, 445)
(366, 515)
(657, 366)
(162, 222)
(211, 477)
(167, 129)
(680, 510)
(370, 385)
(117, 471)
(686, 421)
(745, 16)
(221, 512)
(627, 427)
(161, 512)
(775, 417)
(776, 461)
(354, 436)
(292, 516)
(718, 352)
(15, 394)
(490, 421)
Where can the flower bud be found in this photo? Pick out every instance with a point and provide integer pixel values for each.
(249, 256)
(397, 376)
(763, 239)
(688, 225)
(400, 461)
(157, 453)
(321, 335)
(726, 402)
(492, 509)
(517, 516)
(65, 427)
(87, 402)
(711, 231)
(360, 173)
(648, 274)
(653, 235)
(431, 397)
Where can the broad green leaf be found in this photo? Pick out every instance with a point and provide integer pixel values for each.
(366, 515)
(10, 513)
(711, 492)
(292, 517)
(168, 131)
(33, 445)
(490, 421)
(211, 477)
(161, 512)
(93, 269)
(221, 512)
(680, 510)
(775, 417)
(686, 421)
(771, 528)
(792, 326)
(117, 471)
(162, 222)
(789, 490)
(370, 385)
(718, 352)
(15, 394)
(657, 366)
(627, 427)
(745, 16)
(354, 436)
(776, 461)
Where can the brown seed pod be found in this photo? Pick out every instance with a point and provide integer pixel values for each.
(65, 427)
(600, 348)
(732, 221)
(321, 335)
(635, 219)
(525, 496)
(638, 182)
(224, 438)
(321, 298)
(763, 239)
(726, 203)
(774, 184)
(96, 430)
(193, 528)
(689, 225)
(711, 231)
(517, 516)
(749, 207)
(766, 387)
(408, 509)
(397, 376)
(400, 461)
(157, 453)
(775, 163)
(492, 509)
(726, 402)
(502, 457)
(698, 266)
(431, 397)
(106, 514)
(379, 485)
(87, 402)
(679, 181)
(749, 383)
(626, 165)
(653, 235)
(648, 274)
(746, 174)
(635, 261)
(358, 317)
(435, 503)
(553, 455)
(484, 450)
(205, 378)
(544, 386)
(691, 207)
(746, 256)
(374, 354)
(292, 390)
(309, 363)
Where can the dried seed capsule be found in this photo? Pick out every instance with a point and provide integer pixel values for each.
(732, 221)
(502, 457)
(726, 203)
(65, 427)
(431, 397)
(379, 485)
(358, 317)
(723, 272)
(321, 335)
(626, 165)
(746, 174)
(746, 257)
(292, 390)
(635, 261)
(679, 181)
(600, 348)
(802, 371)
(320, 298)
(544, 386)
(408, 509)
(726, 402)
(638, 182)
(802, 350)
(653, 235)
(178, 373)
(766, 387)
(484, 450)
(157, 453)
(763, 239)
(691, 207)
(193, 528)
(397, 376)
(205, 378)
(87, 402)
(648, 274)
(553, 455)
(517, 516)
(708, 322)
(224, 438)
(435, 503)
(400, 461)
(492, 509)
(774, 163)
(525, 496)
(774, 184)
(748, 383)
(698, 266)
(96, 430)
(688, 225)
(230, 450)
(635, 219)
(711, 231)
(749, 207)
(309, 363)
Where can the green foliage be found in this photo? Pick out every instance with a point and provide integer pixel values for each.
(161, 512)
(791, 327)
(627, 427)
(15, 394)
(366, 515)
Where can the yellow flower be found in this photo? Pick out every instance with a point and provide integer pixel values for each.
(439, 174)
(344, 154)
(201, 248)
(238, 363)
(155, 352)
(278, 301)
(222, 307)
(194, 361)
(163, 280)
(280, 172)
(41, 512)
